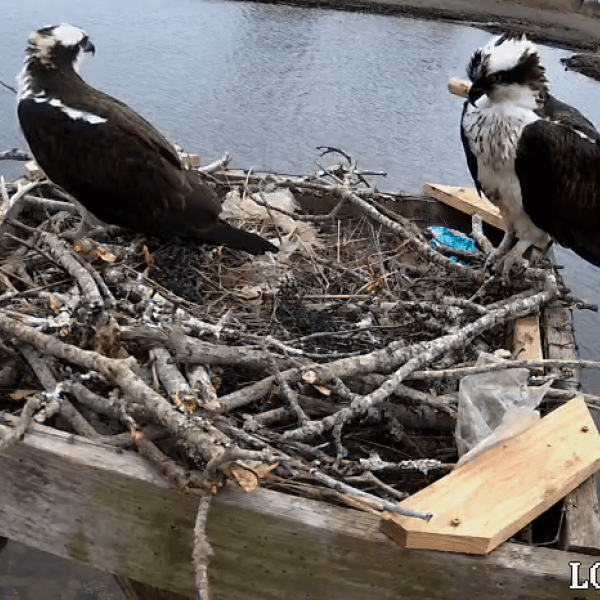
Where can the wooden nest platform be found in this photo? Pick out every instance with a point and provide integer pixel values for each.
(160, 399)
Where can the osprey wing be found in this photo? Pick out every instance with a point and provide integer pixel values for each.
(560, 112)
(133, 123)
(559, 173)
(471, 158)
(115, 171)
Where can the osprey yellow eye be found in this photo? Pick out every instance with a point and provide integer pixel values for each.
(492, 79)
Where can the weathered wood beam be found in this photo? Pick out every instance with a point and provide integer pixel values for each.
(581, 531)
(134, 590)
(112, 510)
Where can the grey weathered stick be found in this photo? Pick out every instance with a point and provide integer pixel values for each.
(460, 372)
(202, 549)
(168, 373)
(65, 408)
(479, 236)
(220, 163)
(373, 501)
(61, 253)
(203, 442)
(33, 404)
(199, 380)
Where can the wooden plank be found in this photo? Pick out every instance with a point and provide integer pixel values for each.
(485, 501)
(466, 200)
(70, 497)
(581, 531)
(527, 339)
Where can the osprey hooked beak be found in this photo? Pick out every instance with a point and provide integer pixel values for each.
(475, 92)
(87, 46)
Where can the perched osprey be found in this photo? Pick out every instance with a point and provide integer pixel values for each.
(535, 157)
(110, 159)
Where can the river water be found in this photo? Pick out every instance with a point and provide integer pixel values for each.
(270, 83)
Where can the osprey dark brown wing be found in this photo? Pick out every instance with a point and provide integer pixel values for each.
(113, 173)
(114, 162)
(559, 174)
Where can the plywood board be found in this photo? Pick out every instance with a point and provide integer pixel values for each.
(466, 200)
(581, 531)
(484, 502)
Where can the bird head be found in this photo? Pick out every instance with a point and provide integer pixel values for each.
(508, 69)
(59, 46)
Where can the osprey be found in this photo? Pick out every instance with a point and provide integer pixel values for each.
(535, 157)
(109, 158)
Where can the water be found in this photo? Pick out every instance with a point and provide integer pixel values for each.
(270, 83)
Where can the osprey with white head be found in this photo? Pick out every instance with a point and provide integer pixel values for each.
(110, 159)
(520, 143)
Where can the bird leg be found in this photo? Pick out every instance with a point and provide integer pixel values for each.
(506, 263)
(501, 250)
(90, 226)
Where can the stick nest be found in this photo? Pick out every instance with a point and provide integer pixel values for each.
(293, 370)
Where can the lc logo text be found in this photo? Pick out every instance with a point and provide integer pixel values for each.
(582, 580)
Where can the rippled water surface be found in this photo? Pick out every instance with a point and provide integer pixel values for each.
(269, 83)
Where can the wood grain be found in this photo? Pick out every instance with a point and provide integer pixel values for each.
(487, 500)
(466, 200)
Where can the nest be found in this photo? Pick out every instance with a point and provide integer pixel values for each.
(302, 371)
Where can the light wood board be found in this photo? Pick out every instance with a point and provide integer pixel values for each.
(484, 502)
(466, 200)
(527, 340)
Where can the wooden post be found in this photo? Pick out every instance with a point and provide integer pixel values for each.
(581, 531)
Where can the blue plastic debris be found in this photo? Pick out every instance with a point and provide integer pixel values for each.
(452, 239)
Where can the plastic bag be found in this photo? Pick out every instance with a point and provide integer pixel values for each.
(493, 407)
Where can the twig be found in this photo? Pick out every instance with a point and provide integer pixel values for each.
(479, 236)
(231, 454)
(201, 442)
(61, 253)
(373, 501)
(202, 549)
(8, 87)
(218, 164)
(168, 467)
(460, 372)
(33, 404)
(368, 477)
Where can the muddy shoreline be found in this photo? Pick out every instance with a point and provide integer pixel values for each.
(570, 30)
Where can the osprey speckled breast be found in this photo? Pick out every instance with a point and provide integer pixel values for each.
(110, 159)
